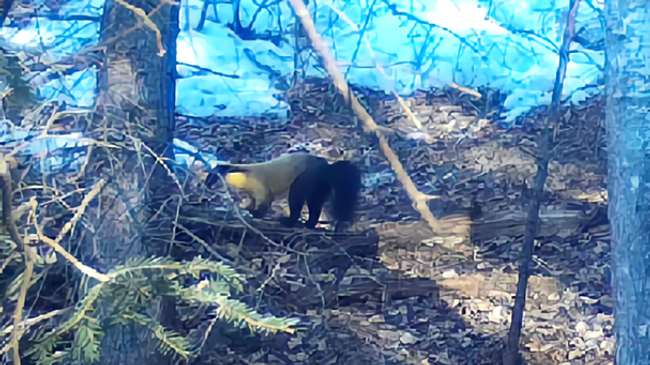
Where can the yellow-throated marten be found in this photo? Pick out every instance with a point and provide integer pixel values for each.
(307, 178)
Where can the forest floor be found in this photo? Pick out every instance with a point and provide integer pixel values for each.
(412, 296)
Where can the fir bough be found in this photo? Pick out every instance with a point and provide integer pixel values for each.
(135, 285)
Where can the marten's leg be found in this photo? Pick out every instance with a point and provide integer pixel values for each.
(315, 202)
(262, 207)
(299, 191)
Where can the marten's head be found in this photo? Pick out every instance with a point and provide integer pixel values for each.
(238, 180)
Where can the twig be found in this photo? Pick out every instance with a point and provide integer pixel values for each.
(148, 22)
(12, 256)
(6, 93)
(161, 161)
(32, 321)
(401, 101)
(66, 228)
(320, 290)
(353, 263)
(207, 331)
(362, 32)
(242, 220)
(90, 298)
(7, 198)
(419, 199)
(50, 121)
(411, 17)
(466, 90)
(18, 330)
(79, 141)
(271, 276)
(102, 45)
(204, 69)
(82, 170)
(170, 173)
(204, 244)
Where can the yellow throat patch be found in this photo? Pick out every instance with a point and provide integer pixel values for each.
(237, 179)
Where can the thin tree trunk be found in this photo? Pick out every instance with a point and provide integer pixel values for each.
(628, 129)
(512, 355)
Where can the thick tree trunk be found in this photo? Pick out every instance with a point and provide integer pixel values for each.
(628, 128)
(135, 104)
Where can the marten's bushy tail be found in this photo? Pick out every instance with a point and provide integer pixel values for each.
(345, 179)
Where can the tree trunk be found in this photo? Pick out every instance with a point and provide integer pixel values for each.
(628, 129)
(512, 355)
(135, 104)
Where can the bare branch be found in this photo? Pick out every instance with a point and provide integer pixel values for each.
(419, 199)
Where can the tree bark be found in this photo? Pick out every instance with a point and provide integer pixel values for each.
(135, 104)
(628, 129)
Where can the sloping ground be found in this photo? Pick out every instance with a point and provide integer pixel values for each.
(395, 293)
